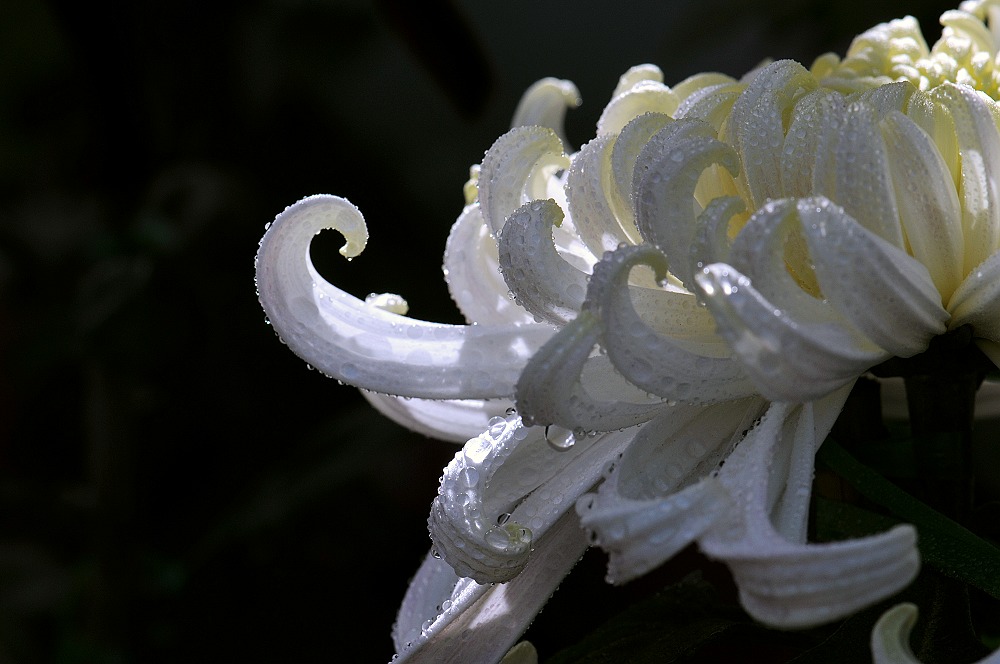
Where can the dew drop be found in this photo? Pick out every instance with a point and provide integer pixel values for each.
(503, 518)
(470, 476)
(558, 438)
(477, 449)
(497, 425)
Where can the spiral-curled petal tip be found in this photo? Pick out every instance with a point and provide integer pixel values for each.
(368, 346)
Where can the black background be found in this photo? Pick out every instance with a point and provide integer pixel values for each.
(175, 485)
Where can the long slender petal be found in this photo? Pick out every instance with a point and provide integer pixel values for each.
(364, 345)
(852, 169)
(666, 175)
(545, 103)
(516, 169)
(472, 272)
(551, 390)
(979, 146)
(854, 266)
(541, 280)
(627, 147)
(588, 188)
(976, 302)
(788, 359)
(648, 508)
(789, 584)
(757, 125)
(816, 114)
(482, 622)
(654, 362)
(645, 96)
(928, 202)
(455, 420)
(505, 489)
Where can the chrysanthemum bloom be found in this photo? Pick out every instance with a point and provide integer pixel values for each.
(830, 219)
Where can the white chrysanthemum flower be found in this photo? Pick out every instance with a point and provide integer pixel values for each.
(830, 218)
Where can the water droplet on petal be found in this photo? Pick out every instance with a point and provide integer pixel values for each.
(558, 438)
(497, 425)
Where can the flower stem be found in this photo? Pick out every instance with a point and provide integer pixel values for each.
(941, 385)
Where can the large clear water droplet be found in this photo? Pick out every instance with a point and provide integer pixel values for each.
(559, 439)
(497, 425)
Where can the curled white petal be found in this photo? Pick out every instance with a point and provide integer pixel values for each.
(588, 190)
(818, 583)
(763, 252)
(646, 96)
(454, 420)
(785, 583)
(649, 360)
(545, 103)
(891, 636)
(464, 518)
(882, 290)
(711, 241)
(979, 146)
(890, 639)
(638, 515)
(472, 272)
(666, 175)
(976, 302)
(853, 170)
(504, 490)
(711, 103)
(887, 99)
(812, 126)
(697, 83)
(928, 202)
(636, 75)
(757, 125)
(481, 621)
(540, 279)
(641, 536)
(366, 346)
(788, 359)
(551, 390)
(516, 169)
(624, 154)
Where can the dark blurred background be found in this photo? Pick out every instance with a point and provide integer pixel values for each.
(175, 485)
